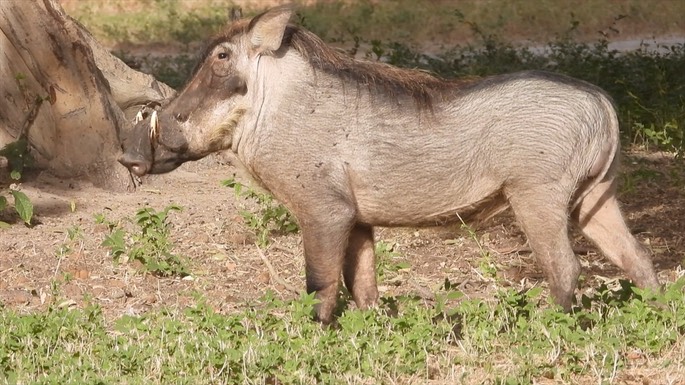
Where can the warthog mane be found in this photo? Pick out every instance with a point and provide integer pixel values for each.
(420, 85)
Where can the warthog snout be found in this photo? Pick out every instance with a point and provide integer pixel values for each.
(137, 164)
(161, 161)
(156, 145)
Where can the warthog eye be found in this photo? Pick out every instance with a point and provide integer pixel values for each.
(223, 55)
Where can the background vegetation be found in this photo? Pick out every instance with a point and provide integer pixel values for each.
(517, 337)
(429, 22)
(450, 39)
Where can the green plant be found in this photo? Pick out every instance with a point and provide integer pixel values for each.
(22, 205)
(517, 337)
(74, 236)
(668, 137)
(388, 259)
(18, 158)
(270, 218)
(486, 265)
(149, 245)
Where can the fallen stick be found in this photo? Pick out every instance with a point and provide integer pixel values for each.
(274, 275)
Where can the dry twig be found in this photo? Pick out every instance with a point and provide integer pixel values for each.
(274, 275)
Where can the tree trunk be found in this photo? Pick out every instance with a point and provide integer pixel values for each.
(67, 94)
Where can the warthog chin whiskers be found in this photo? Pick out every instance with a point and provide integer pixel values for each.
(220, 137)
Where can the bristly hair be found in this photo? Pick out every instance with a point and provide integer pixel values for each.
(421, 86)
(377, 76)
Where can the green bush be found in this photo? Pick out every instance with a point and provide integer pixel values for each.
(150, 245)
(18, 158)
(271, 217)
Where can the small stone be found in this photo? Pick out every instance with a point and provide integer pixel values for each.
(118, 293)
(264, 277)
(82, 274)
(70, 303)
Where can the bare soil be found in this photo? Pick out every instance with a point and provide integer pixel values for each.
(41, 265)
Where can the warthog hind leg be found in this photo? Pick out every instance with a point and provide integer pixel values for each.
(545, 223)
(359, 268)
(599, 218)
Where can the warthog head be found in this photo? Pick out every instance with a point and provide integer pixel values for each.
(203, 117)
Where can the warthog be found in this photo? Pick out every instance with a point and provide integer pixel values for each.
(347, 145)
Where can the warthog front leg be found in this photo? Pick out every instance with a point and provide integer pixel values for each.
(325, 240)
(359, 268)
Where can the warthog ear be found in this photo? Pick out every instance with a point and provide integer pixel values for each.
(267, 29)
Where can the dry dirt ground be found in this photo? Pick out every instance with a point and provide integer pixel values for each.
(228, 269)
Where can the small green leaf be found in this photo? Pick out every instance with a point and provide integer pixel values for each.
(4, 225)
(534, 292)
(116, 243)
(16, 175)
(23, 206)
(3, 202)
(453, 295)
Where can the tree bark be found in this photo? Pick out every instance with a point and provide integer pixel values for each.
(67, 93)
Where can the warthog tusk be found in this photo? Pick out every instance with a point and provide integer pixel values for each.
(139, 116)
(154, 127)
